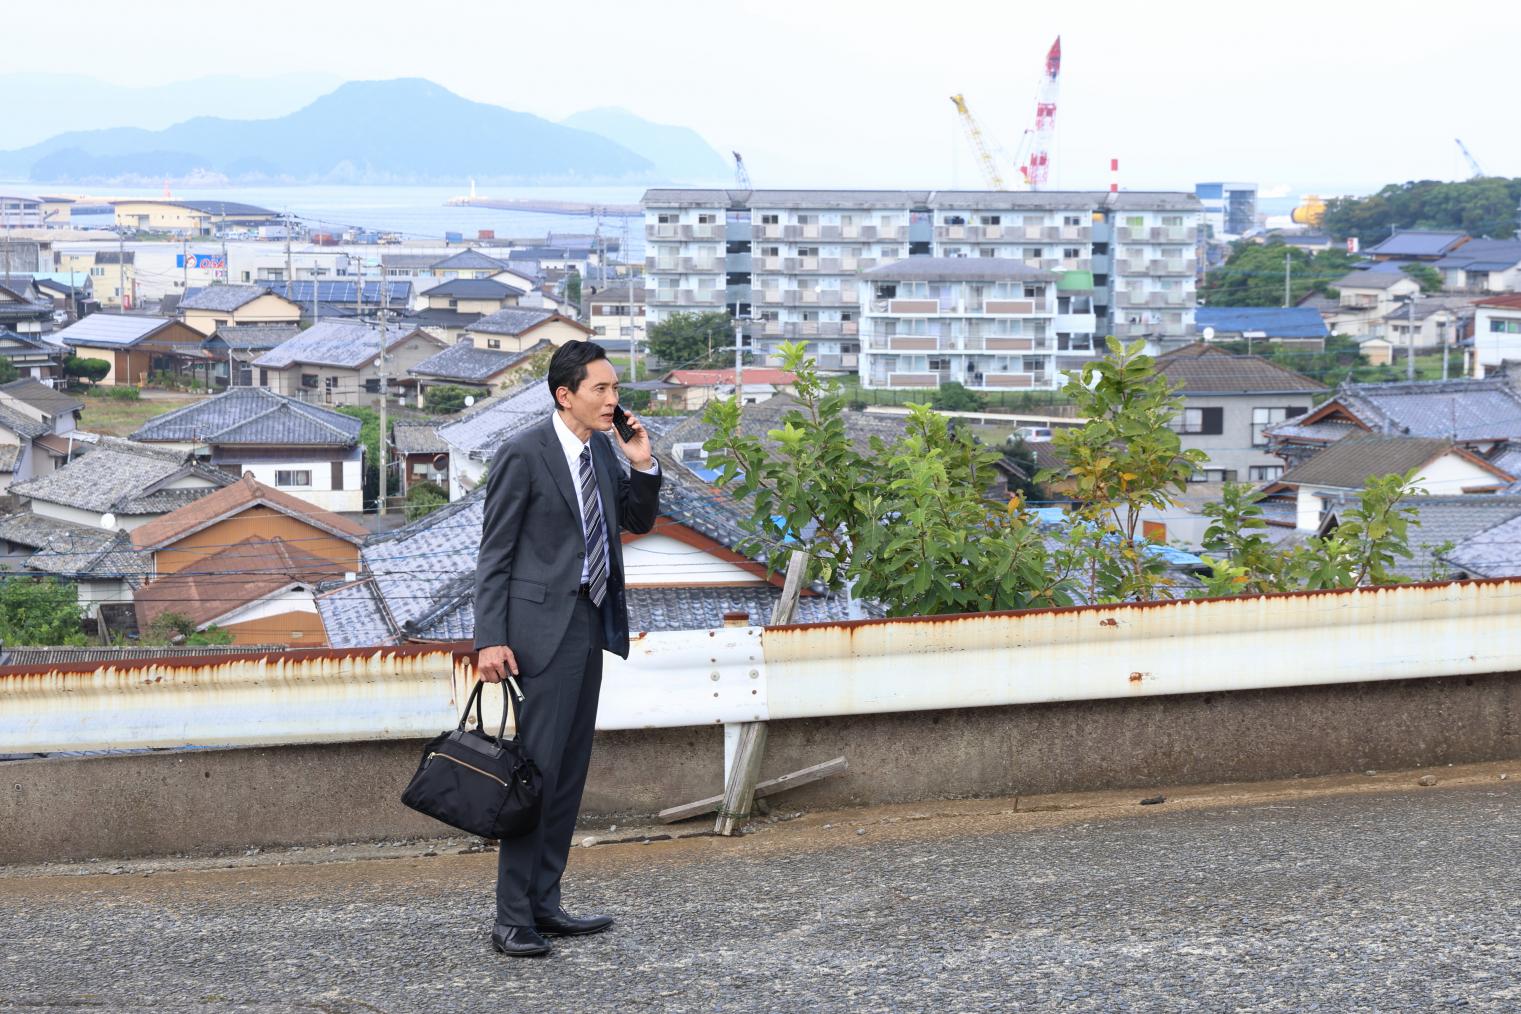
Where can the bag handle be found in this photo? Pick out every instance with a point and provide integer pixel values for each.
(514, 696)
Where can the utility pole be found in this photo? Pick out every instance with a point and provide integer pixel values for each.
(290, 274)
(385, 460)
(739, 360)
(1287, 270)
(1442, 340)
(1410, 338)
(121, 270)
(184, 264)
(6, 215)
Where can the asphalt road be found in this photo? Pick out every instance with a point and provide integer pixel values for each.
(1393, 901)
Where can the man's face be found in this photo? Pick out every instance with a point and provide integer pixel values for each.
(591, 404)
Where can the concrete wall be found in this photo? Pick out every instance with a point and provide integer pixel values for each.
(220, 799)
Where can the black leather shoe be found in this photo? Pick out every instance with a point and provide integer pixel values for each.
(561, 924)
(518, 941)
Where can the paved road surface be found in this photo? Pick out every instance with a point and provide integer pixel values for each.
(1405, 900)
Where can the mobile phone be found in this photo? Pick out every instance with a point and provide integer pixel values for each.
(620, 421)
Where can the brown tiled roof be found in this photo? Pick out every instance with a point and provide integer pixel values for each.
(242, 573)
(1204, 369)
(229, 500)
(1351, 461)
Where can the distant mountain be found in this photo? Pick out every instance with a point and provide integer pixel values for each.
(400, 131)
(679, 153)
(60, 102)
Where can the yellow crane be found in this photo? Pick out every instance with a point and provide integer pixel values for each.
(979, 144)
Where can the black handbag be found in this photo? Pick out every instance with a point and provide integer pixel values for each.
(478, 783)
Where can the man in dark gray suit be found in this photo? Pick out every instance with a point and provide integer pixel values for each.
(549, 600)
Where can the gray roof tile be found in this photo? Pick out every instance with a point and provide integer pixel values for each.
(1493, 552)
(468, 259)
(474, 288)
(1351, 461)
(41, 396)
(1451, 519)
(511, 320)
(479, 433)
(344, 343)
(109, 478)
(417, 437)
(221, 297)
(464, 362)
(253, 415)
(111, 329)
(1464, 410)
(249, 337)
(1203, 369)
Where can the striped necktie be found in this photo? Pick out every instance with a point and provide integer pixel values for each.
(596, 531)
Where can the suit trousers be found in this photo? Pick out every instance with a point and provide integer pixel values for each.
(558, 720)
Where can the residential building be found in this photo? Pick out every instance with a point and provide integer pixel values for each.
(24, 308)
(1426, 245)
(70, 297)
(1294, 327)
(423, 453)
(246, 558)
(470, 295)
(136, 346)
(320, 299)
(112, 274)
(1228, 403)
(469, 263)
(1483, 416)
(475, 436)
(516, 328)
(337, 362)
(286, 444)
(189, 218)
(1446, 523)
(1482, 265)
(1490, 553)
(1496, 333)
(220, 305)
(100, 562)
(409, 265)
(37, 424)
(617, 311)
(779, 259)
(234, 347)
(1229, 209)
(483, 371)
(689, 390)
(1367, 299)
(1337, 475)
(987, 323)
(21, 212)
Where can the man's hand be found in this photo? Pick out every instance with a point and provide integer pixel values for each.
(638, 449)
(494, 663)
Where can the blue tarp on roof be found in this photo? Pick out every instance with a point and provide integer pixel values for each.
(1056, 517)
(1273, 321)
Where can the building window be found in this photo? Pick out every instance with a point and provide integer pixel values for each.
(1264, 473)
(1072, 220)
(372, 385)
(493, 343)
(337, 475)
(600, 329)
(1071, 253)
(991, 219)
(309, 380)
(771, 220)
(1203, 421)
(1265, 417)
(285, 477)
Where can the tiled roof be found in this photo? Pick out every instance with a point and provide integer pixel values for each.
(417, 437)
(22, 425)
(468, 259)
(474, 288)
(1451, 519)
(1417, 243)
(463, 361)
(353, 616)
(1325, 431)
(68, 549)
(1203, 369)
(40, 396)
(511, 320)
(760, 419)
(110, 479)
(255, 336)
(111, 329)
(1373, 279)
(479, 433)
(59, 655)
(233, 577)
(253, 415)
(409, 260)
(1350, 462)
(1493, 552)
(233, 499)
(221, 297)
(1273, 321)
(1464, 410)
(344, 343)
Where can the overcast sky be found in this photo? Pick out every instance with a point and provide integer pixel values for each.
(1303, 95)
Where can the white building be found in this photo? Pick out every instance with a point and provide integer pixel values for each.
(1496, 333)
(1230, 209)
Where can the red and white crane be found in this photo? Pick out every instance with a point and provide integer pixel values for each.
(1034, 157)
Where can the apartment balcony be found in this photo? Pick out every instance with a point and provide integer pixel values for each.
(841, 361)
(1075, 323)
(917, 379)
(792, 232)
(800, 264)
(662, 297)
(1178, 299)
(1180, 233)
(1007, 381)
(1159, 267)
(705, 230)
(1080, 233)
(694, 265)
(701, 297)
(829, 232)
(770, 231)
(1011, 307)
(771, 297)
(1075, 264)
(953, 232)
(765, 263)
(808, 296)
(1130, 267)
(1140, 234)
(662, 230)
(885, 233)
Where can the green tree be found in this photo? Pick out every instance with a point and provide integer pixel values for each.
(1429, 277)
(573, 288)
(93, 370)
(40, 613)
(369, 437)
(1479, 207)
(954, 397)
(446, 399)
(7, 370)
(423, 498)
(1253, 274)
(172, 627)
(686, 340)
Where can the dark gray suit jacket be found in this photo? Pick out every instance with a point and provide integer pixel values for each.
(533, 547)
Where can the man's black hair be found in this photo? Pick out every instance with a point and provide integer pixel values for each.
(567, 368)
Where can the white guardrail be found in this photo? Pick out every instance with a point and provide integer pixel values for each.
(743, 674)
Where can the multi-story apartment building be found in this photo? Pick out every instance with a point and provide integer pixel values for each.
(789, 264)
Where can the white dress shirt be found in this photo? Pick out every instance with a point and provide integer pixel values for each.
(573, 445)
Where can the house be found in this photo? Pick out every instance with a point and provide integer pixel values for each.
(70, 296)
(1424, 324)
(1481, 415)
(423, 453)
(1492, 552)
(408, 265)
(485, 371)
(219, 305)
(1445, 523)
(514, 329)
(189, 218)
(32, 355)
(136, 346)
(35, 424)
(474, 437)
(99, 561)
(246, 558)
(1418, 245)
(295, 447)
(235, 346)
(469, 263)
(23, 307)
(120, 484)
(1482, 265)
(688, 390)
(1296, 327)
(617, 311)
(21, 212)
(1366, 299)
(1496, 333)
(1228, 402)
(337, 362)
(321, 299)
(113, 275)
(1338, 473)
(470, 295)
